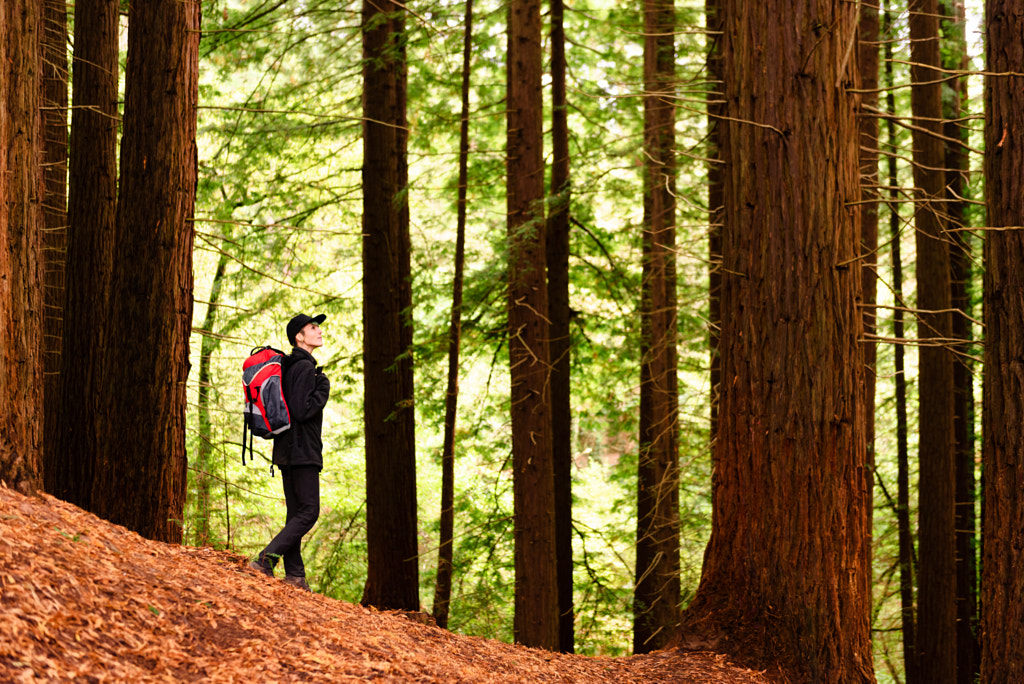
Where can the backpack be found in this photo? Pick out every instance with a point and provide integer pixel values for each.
(266, 412)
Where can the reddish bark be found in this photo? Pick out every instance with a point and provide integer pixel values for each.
(783, 571)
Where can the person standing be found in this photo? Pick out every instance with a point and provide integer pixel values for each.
(298, 451)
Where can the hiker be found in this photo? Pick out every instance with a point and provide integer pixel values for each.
(298, 452)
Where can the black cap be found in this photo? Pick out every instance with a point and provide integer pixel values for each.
(299, 322)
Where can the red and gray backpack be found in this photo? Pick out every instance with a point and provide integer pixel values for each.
(266, 412)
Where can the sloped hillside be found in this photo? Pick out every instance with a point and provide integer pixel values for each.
(86, 601)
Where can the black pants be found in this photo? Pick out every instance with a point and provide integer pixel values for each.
(302, 497)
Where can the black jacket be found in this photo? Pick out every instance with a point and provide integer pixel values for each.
(306, 389)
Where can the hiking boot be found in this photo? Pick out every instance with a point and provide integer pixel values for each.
(296, 581)
(261, 567)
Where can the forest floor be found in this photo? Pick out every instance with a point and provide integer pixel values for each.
(86, 601)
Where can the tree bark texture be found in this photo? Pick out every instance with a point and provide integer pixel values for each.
(1002, 589)
(392, 578)
(22, 189)
(92, 215)
(936, 633)
(559, 315)
(868, 48)
(715, 105)
(445, 553)
(656, 595)
(55, 171)
(146, 342)
(783, 571)
(536, 593)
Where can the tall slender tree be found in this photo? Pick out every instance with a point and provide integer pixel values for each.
(656, 597)
(868, 49)
(392, 575)
(445, 556)
(955, 61)
(55, 171)
(206, 393)
(22, 189)
(536, 591)
(903, 526)
(782, 572)
(145, 348)
(92, 211)
(1002, 584)
(559, 315)
(936, 632)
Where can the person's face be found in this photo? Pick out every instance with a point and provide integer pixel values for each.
(310, 337)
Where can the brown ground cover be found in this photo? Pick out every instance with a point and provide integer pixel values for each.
(86, 601)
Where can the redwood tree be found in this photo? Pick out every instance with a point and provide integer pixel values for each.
(1002, 583)
(536, 593)
(560, 339)
(445, 551)
(145, 346)
(22, 191)
(55, 171)
(954, 58)
(656, 595)
(782, 580)
(868, 29)
(712, 13)
(936, 624)
(392, 574)
(92, 211)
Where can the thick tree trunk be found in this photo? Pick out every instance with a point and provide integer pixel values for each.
(22, 189)
(559, 315)
(656, 597)
(936, 633)
(92, 215)
(782, 579)
(146, 342)
(715, 105)
(443, 584)
(536, 593)
(1002, 588)
(392, 576)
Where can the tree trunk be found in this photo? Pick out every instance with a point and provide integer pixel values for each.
(92, 214)
(656, 597)
(392, 575)
(559, 314)
(782, 580)
(146, 343)
(1002, 588)
(904, 533)
(868, 30)
(443, 584)
(204, 451)
(22, 189)
(55, 170)
(955, 59)
(715, 105)
(536, 592)
(936, 633)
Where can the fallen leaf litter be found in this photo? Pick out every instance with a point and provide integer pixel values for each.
(87, 601)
